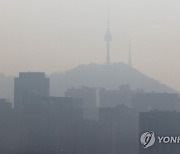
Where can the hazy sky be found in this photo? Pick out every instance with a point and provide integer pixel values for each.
(55, 35)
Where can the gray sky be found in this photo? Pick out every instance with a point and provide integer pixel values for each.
(55, 35)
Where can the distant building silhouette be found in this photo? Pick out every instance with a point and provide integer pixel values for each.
(31, 92)
(111, 98)
(90, 137)
(7, 127)
(65, 125)
(5, 105)
(118, 130)
(155, 101)
(89, 97)
(29, 84)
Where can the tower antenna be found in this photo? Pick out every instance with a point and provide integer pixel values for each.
(129, 58)
(108, 39)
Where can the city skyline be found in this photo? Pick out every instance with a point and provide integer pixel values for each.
(89, 77)
(40, 123)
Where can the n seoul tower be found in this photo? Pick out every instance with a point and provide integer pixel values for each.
(108, 39)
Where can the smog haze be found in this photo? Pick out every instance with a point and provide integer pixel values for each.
(54, 36)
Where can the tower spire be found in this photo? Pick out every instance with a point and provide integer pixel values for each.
(108, 39)
(129, 58)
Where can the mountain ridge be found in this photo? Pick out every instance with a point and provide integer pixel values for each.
(106, 76)
(92, 75)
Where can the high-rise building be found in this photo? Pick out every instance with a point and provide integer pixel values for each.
(155, 101)
(89, 97)
(5, 106)
(111, 98)
(31, 91)
(90, 137)
(118, 130)
(7, 129)
(65, 125)
(27, 85)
